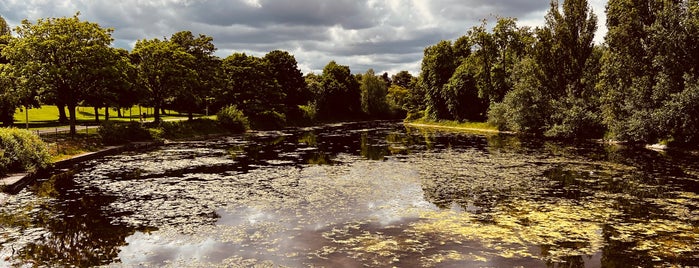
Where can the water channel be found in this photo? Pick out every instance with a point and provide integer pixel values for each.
(362, 195)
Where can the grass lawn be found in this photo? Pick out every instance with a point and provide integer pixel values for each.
(47, 116)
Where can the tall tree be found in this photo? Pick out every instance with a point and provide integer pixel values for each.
(192, 97)
(565, 52)
(649, 69)
(554, 87)
(373, 92)
(61, 56)
(250, 85)
(340, 97)
(284, 69)
(438, 65)
(8, 101)
(163, 68)
(495, 54)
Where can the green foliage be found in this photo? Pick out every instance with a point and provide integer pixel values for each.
(21, 150)
(284, 68)
(397, 100)
(525, 108)
(461, 95)
(677, 119)
(268, 120)
(338, 95)
(553, 91)
(495, 55)
(63, 59)
(191, 97)
(188, 129)
(250, 86)
(438, 65)
(164, 68)
(233, 119)
(118, 133)
(373, 93)
(652, 51)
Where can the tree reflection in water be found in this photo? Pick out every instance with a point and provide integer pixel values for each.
(74, 231)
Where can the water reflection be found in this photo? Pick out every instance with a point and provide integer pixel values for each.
(72, 232)
(371, 194)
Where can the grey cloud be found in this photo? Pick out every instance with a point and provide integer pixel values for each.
(349, 14)
(378, 34)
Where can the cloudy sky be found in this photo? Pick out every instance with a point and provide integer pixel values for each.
(386, 35)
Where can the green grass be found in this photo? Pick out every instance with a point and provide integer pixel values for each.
(47, 116)
(456, 124)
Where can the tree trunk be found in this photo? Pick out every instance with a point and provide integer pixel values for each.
(156, 114)
(191, 116)
(119, 112)
(62, 118)
(97, 114)
(71, 111)
(162, 110)
(106, 113)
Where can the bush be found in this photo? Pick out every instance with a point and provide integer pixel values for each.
(233, 119)
(269, 120)
(115, 133)
(22, 150)
(186, 129)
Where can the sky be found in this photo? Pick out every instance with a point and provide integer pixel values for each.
(385, 35)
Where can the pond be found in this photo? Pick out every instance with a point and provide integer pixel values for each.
(376, 194)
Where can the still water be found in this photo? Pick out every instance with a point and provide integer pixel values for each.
(362, 195)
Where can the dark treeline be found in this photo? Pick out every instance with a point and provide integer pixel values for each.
(641, 85)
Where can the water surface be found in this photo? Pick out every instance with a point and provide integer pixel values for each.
(371, 194)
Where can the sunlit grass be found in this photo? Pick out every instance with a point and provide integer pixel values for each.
(47, 116)
(485, 126)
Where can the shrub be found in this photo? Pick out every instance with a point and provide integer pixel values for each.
(268, 120)
(115, 133)
(185, 129)
(22, 150)
(233, 119)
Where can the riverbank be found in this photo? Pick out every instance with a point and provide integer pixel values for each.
(481, 127)
(13, 183)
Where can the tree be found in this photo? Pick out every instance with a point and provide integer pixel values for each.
(402, 78)
(565, 52)
(284, 68)
(340, 97)
(648, 69)
(373, 93)
(438, 65)
(163, 67)
(554, 88)
(461, 95)
(250, 85)
(524, 109)
(61, 57)
(495, 54)
(192, 96)
(8, 100)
